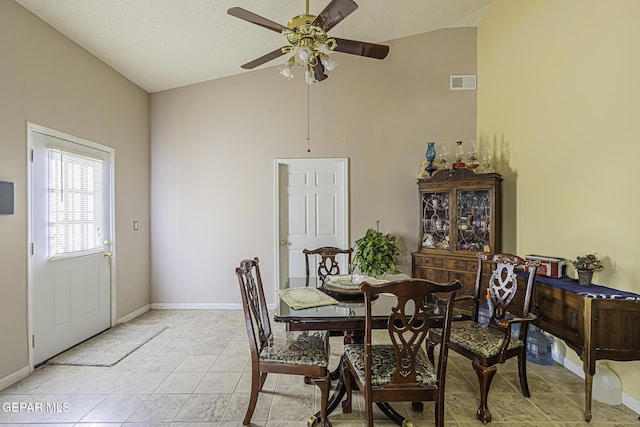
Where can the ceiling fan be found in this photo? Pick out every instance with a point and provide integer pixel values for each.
(309, 42)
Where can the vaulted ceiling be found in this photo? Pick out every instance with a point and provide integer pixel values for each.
(164, 44)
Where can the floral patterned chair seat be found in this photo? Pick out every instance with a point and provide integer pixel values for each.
(384, 362)
(479, 339)
(298, 348)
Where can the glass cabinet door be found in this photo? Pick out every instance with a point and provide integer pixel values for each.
(474, 220)
(436, 220)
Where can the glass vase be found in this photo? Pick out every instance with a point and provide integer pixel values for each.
(431, 156)
(459, 155)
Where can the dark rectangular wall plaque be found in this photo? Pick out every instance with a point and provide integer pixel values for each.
(6, 198)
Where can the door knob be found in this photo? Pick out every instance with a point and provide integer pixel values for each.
(283, 242)
(107, 254)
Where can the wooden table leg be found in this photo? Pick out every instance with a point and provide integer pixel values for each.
(588, 388)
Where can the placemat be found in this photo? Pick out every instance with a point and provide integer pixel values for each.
(307, 297)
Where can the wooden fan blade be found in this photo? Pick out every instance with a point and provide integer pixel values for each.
(318, 72)
(354, 47)
(245, 15)
(263, 59)
(335, 12)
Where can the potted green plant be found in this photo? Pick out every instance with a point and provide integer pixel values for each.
(586, 265)
(376, 253)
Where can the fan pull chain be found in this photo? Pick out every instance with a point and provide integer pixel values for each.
(308, 122)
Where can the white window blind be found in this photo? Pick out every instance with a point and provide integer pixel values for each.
(75, 204)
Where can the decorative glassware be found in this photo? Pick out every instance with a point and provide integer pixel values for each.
(473, 157)
(487, 160)
(459, 156)
(431, 156)
(444, 153)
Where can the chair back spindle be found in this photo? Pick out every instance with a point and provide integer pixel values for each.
(328, 264)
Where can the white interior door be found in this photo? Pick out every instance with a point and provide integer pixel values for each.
(70, 265)
(312, 210)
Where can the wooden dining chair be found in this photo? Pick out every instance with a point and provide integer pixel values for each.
(328, 264)
(401, 371)
(487, 346)
(298, 353)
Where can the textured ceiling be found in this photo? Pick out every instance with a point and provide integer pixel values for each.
(164, 44)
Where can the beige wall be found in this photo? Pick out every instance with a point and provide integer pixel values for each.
(214, 145)
(48, 80)
(558, 101)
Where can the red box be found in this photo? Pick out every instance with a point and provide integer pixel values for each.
(549, 266)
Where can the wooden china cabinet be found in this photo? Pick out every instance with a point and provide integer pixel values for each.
(460, 215)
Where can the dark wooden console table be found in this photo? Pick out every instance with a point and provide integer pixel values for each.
(595, 321)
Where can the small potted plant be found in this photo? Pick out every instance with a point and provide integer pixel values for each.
(586, 265)
(376, 253)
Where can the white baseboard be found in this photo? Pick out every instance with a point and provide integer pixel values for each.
(14, 377)
(194, 306)
(134, 314)
(631, 403)
(628, 401)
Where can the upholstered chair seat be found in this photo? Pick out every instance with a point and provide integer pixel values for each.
(384, 362)
(479, 339)
(298, 348)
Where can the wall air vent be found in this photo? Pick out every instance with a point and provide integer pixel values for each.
(462, 82)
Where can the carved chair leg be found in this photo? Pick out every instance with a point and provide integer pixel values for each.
(369, 409)
(439, 412)
(430, 347)
(348, 385)
(324, 383)
(522, 371)
(485, 375)
(263, 379)
(257, 380)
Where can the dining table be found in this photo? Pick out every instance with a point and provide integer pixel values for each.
(345, 317)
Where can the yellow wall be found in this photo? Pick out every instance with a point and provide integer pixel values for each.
(558, 102)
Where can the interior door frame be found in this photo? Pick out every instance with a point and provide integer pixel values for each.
(32, 127)
(278, 163)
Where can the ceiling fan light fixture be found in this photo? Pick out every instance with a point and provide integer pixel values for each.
(287, 70)
(309, 76)
(303, 54)
(328, 63)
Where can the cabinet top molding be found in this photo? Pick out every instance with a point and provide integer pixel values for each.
(458, 173)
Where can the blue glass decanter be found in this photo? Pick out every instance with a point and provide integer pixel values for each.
(431, 156)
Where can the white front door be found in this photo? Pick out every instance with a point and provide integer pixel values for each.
(312, 210)
(70, 265)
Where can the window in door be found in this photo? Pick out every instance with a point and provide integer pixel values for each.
(75, 204)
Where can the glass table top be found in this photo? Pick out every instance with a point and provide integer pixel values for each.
(349, 307)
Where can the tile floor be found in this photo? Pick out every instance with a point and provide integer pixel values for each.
(196, 374)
